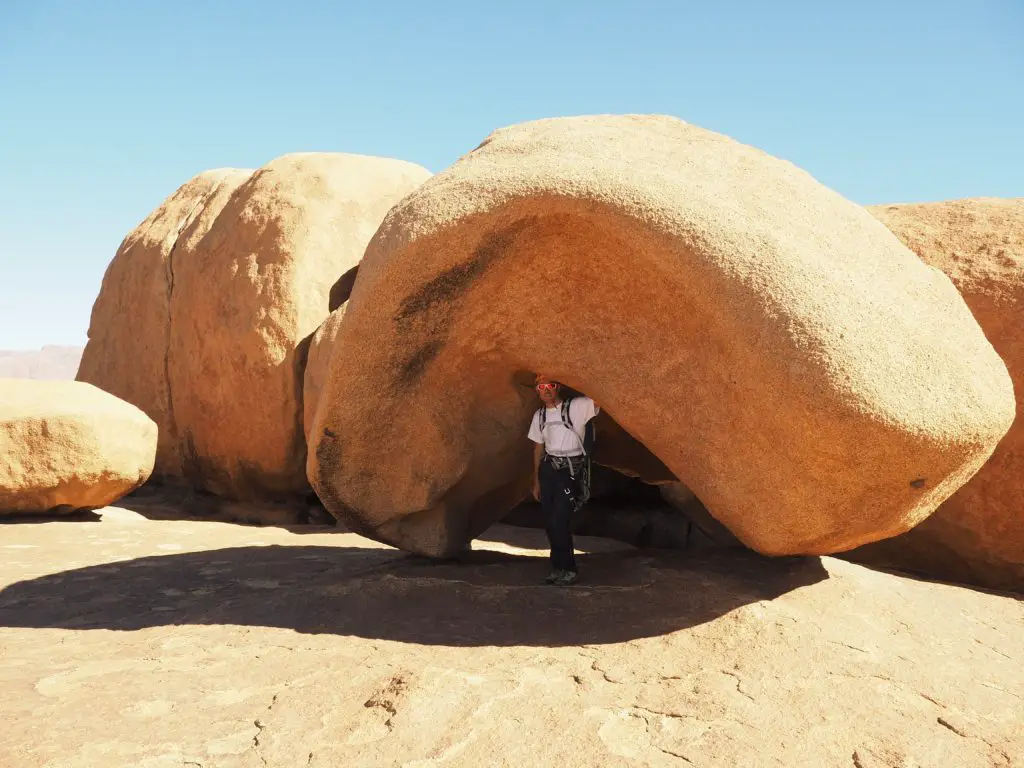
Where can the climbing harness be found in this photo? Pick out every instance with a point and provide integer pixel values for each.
(579, 464)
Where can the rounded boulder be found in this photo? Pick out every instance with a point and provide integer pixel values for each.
(242, 265)
(126, 352)
(773, 345)
(68, 445)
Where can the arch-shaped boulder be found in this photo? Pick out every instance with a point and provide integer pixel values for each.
(776, 347)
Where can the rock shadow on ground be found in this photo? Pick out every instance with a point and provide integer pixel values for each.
(483, 598)
(76, 516)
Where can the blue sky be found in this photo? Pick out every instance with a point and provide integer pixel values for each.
(106, 107)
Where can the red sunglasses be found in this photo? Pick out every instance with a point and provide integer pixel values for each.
(546, 385)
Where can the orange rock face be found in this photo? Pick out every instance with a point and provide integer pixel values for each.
(66, 445)
(977, 535)
(130, 327)
(774, 346)
(205, 324)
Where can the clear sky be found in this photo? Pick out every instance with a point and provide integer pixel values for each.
(106, 107)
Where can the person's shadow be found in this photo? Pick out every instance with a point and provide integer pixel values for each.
(484, 598)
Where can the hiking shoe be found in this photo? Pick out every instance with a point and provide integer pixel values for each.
(553, 577)
(567, 578)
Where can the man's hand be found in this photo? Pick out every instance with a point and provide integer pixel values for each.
(536, 490)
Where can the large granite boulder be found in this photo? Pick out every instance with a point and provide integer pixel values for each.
(771, 343)
(241, 265)
(130, 328)
(66, 446)
(977, 535)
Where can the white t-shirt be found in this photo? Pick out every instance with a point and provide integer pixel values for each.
(559, 439)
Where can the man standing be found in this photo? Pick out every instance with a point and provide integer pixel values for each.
(559, 456)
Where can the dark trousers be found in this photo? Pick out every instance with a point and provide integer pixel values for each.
(558, 491)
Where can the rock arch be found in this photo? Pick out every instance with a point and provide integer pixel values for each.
(770, 342)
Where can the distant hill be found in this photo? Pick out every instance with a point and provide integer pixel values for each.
(50, 362)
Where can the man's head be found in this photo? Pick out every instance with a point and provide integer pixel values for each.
(547, 389)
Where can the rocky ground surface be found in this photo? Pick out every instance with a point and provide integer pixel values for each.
(126, 641)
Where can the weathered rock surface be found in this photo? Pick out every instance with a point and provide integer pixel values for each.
(224, 284)
(67, 446)
(977, 535)
(237, 354)
(130, 329)
(54, 362)
(775, 347)
(172, 643)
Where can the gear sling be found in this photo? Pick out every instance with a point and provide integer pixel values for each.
(582, 466)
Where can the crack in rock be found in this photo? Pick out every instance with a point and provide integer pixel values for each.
(946, 724)
(260, 727)
(847, 645)
(684, 758)
(862, 677)
(255, 746)
(1001, 690)
(597, 668)
(739, 683)
(962, 733)
(644, 714)
(387, 697)
(994, 650)
(197, 208)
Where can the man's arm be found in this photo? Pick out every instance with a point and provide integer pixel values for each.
(538, 456)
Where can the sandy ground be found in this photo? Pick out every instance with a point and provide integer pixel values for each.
(133, 642)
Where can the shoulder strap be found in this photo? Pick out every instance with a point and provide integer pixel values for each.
(567, 412)
(542, 413)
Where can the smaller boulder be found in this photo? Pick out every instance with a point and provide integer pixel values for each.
(66, 445)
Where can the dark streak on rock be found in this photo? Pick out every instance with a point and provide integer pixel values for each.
(426, 314)
(414, 367)
(455, 281)
(328, 458)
